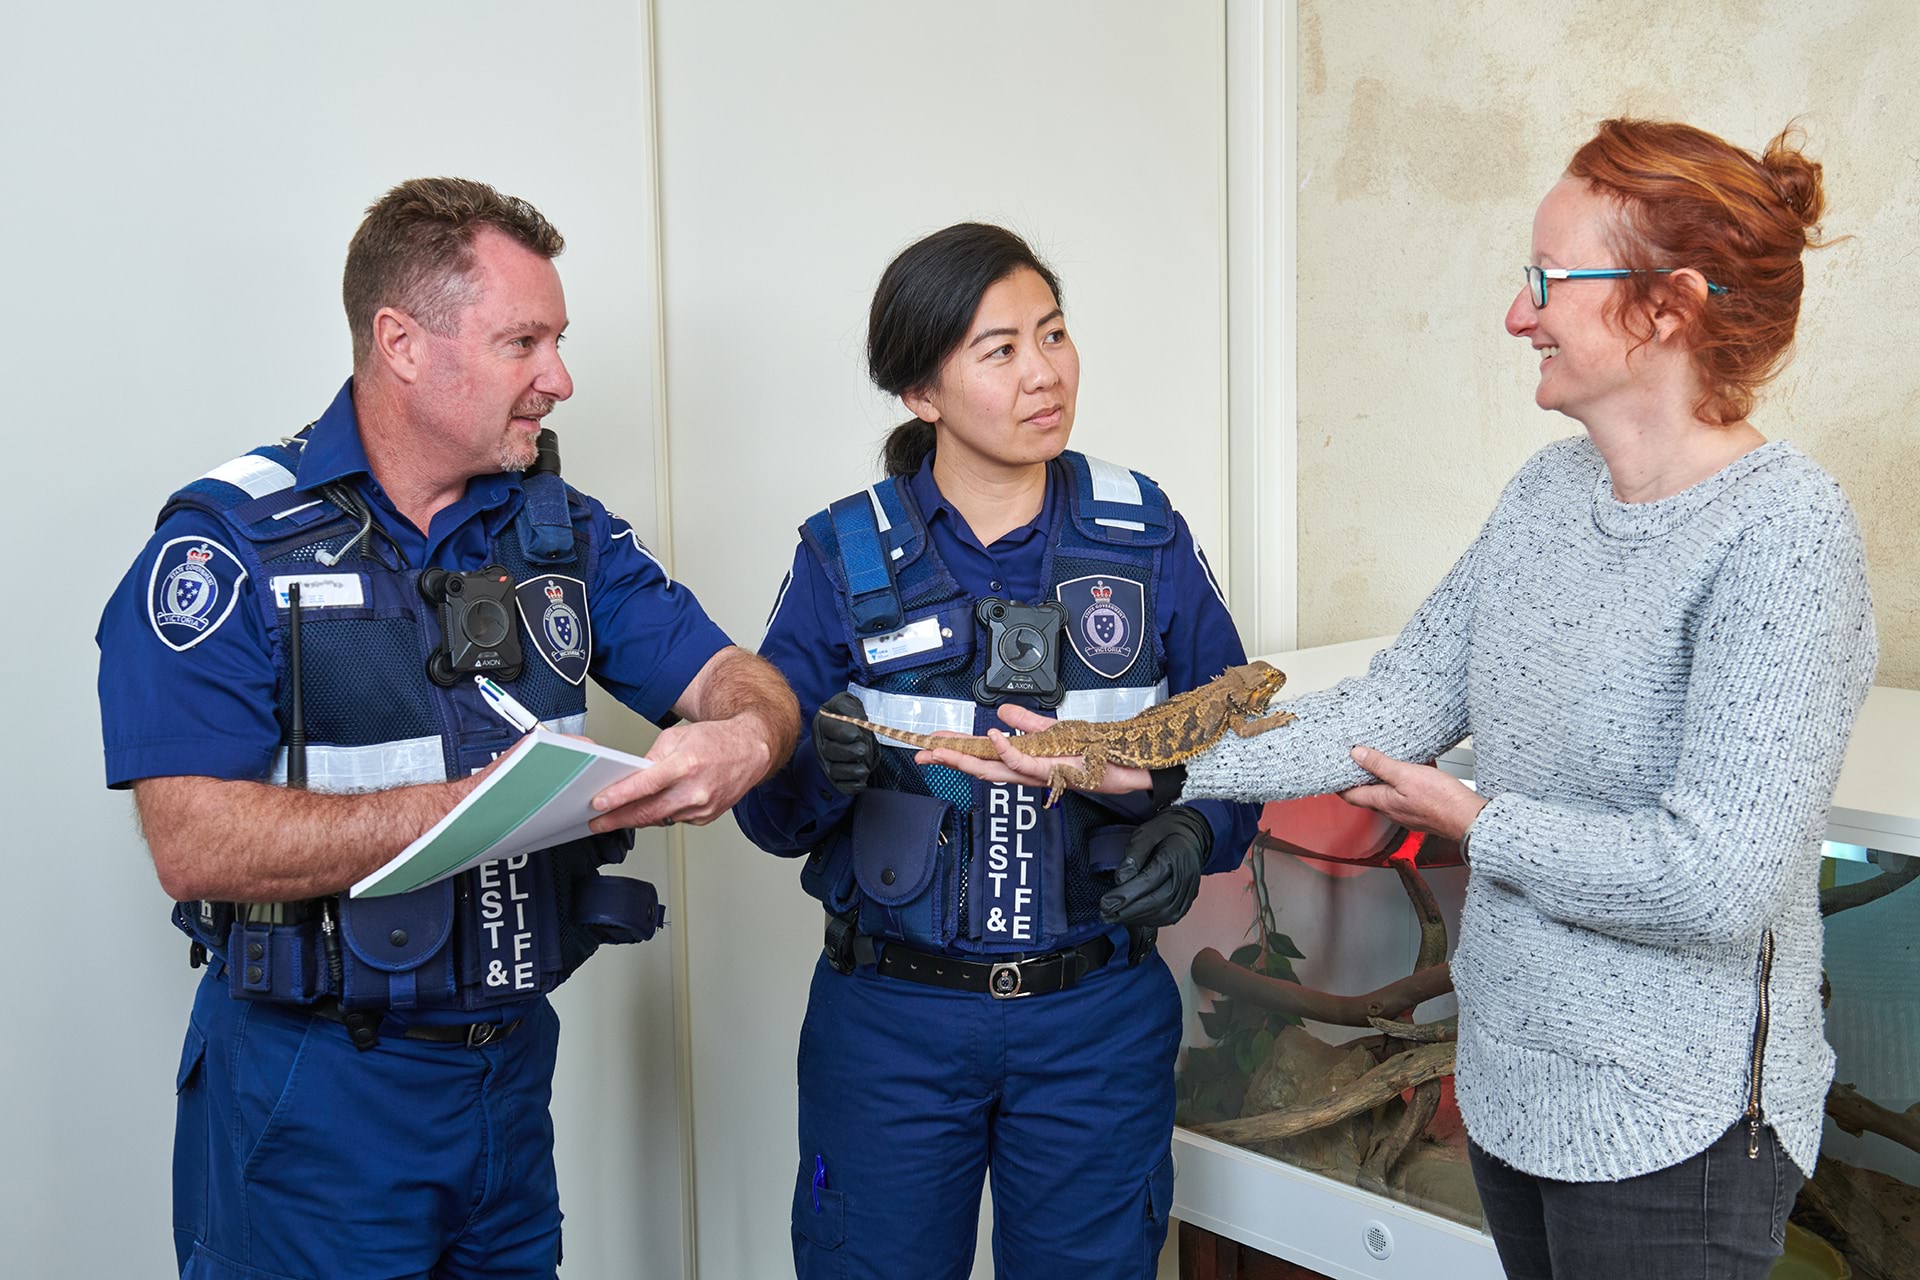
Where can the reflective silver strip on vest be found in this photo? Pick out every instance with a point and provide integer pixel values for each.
(1110, 704)
(932, 715)
(381, 766)
(375, 767)
(255, 476)
(282, 515)
(1113, 483)
(880, 514)
(913, 713)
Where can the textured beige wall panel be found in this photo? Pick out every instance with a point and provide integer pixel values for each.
(1429, 130)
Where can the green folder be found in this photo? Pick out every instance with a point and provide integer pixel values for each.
(539, 797)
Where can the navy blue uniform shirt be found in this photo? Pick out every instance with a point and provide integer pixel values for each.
(208, 709)
(792, 811)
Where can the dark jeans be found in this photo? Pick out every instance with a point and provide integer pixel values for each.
(1717, 1216)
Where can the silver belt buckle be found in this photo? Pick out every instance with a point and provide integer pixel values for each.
(1003, 983)
(482, 1033)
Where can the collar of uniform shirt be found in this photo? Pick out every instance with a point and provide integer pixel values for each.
(933, 503)
(334, 451)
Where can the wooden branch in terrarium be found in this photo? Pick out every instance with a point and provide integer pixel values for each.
(1856, 1113)
(1843, 897)
(1216, 973)
(1382, 1084)
(1390, 1146)
(1426, 910)
(1418, 1032)
(1869, 1213)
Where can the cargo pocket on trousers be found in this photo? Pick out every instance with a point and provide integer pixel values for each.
(1160, 1192)
(208, 1265)
(1153, 1232)
(819, 1212)
(190, 1149)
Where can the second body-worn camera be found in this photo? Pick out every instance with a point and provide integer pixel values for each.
(1023, 651)
(479, 631)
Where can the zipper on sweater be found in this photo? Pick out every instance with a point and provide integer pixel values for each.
(1754, 1114)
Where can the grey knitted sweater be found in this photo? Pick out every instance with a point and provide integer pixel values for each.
(1660, 695)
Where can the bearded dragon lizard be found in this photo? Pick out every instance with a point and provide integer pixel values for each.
(1165, 734)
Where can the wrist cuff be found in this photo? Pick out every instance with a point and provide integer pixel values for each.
(1168, 783)
(1466, 837)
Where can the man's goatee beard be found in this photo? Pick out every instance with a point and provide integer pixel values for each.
(518, 457)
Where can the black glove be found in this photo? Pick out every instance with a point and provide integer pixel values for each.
(1159, 874)
(847, 753)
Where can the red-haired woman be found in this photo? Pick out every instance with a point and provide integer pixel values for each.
(1658, 642)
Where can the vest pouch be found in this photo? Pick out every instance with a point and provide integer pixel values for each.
(593, 909)
(827, 874)
(1106, 846)
(902, 862)
(394, 951)
(279, 962)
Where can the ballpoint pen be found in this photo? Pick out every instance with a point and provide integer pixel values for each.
(506, 706)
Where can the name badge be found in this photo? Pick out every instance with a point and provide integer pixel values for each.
(321, 590)
(916, 637)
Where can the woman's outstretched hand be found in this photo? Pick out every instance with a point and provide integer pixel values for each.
(1415, 795)
(1017, 767)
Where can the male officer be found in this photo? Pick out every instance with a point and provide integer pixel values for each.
(365, 1082)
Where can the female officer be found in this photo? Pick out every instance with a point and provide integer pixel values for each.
(1659, 642)
(989, 999)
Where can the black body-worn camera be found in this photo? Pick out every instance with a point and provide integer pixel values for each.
(479, 628)
(1023, 651)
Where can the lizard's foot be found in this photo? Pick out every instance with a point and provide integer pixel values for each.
(1254, 728)
(1086, 776)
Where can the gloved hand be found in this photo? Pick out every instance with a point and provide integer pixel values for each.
(1159, 874)
(847, 753)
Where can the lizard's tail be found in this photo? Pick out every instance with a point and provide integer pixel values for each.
(966, 745)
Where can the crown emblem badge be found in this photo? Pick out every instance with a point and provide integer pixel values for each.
(554, 609)
(186, 600)
(1111, 621)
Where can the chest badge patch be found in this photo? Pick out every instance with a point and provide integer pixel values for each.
(195, 584)
(554, 609)
(1106, 621)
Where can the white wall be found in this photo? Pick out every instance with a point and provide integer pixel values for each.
(180, 184)
(800, 151)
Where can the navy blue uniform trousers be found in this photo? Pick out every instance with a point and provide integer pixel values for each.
(297, 1155)
(910, 1094)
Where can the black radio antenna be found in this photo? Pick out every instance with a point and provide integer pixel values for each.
(297, 727)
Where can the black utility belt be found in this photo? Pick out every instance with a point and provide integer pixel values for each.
(365, 1025)
(1004, 979)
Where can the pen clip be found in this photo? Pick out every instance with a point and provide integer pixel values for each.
(506, 706)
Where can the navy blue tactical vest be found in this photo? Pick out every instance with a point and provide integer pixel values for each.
(504, 932)
(928, 854)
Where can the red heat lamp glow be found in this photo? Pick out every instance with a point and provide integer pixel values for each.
(1328, 830)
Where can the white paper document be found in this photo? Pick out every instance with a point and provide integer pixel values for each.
(540, 796)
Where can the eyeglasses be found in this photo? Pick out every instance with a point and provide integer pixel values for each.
(1537, 278)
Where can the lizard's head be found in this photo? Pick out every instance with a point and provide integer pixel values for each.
(1252, 687)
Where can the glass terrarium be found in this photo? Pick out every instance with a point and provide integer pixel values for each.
(1321, 1029)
